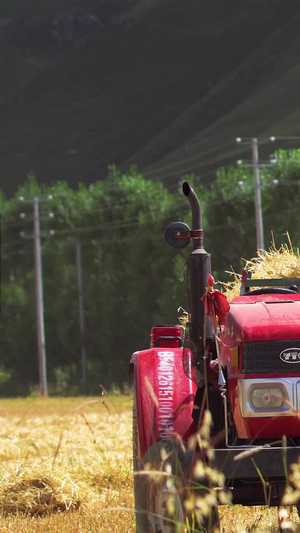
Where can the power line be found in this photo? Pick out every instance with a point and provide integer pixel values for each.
(195, 168)
(111, 207)
(254, 141)
(186, 160)
(181, 171)
(134, 221)
(109, 225)
(117, 226)
(179, 164)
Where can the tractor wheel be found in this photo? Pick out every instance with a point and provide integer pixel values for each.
(165, 499)
(141, 527)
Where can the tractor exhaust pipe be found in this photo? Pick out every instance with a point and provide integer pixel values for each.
(199, 267)
(196, 213)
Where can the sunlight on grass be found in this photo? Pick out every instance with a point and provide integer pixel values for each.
(65, 463)
(66, 466)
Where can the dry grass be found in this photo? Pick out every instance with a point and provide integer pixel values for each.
(66, 466)
(273, 263)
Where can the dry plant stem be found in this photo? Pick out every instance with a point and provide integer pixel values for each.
(57, 450)
(105, 393)
(87, 423)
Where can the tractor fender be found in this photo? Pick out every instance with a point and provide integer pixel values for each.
(164, 395)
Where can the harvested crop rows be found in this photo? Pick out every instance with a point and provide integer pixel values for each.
(66, 466)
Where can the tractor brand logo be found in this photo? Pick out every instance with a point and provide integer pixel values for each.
(290, 355)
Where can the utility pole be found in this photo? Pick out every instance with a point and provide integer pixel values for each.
(257, 190)
(81, 316)
(257, 196)
(257, 187)
(39, 299)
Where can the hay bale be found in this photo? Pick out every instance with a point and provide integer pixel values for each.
(272, 263)
(36, 497)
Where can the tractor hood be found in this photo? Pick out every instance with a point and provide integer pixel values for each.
(263, 318)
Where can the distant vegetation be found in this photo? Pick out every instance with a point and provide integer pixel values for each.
(132, 280)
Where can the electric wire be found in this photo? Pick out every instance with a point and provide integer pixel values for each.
(170, 187)
(150, 172)
(111, 207)
(98, 226)
(186, 170)
(120, 225)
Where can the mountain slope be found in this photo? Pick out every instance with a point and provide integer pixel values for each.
(145, 83)
(259, 97)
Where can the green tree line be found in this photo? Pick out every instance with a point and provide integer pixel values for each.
(132, 280)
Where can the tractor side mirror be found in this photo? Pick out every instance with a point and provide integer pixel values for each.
(178, 235)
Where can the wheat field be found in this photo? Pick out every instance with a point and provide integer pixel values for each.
(66, 466)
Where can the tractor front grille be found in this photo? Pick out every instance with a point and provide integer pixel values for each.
(263, 357)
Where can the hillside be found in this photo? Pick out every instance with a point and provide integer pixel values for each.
(164, 84)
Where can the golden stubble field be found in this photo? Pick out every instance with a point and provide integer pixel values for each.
(66, 466)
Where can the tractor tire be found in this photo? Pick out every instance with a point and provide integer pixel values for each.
(137, 464)
(164, 490)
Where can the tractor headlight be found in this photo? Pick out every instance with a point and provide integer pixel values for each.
(267, 398)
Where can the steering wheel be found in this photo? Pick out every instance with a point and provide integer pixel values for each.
(271, 290)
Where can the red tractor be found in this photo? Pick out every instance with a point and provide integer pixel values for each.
(245, 371)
